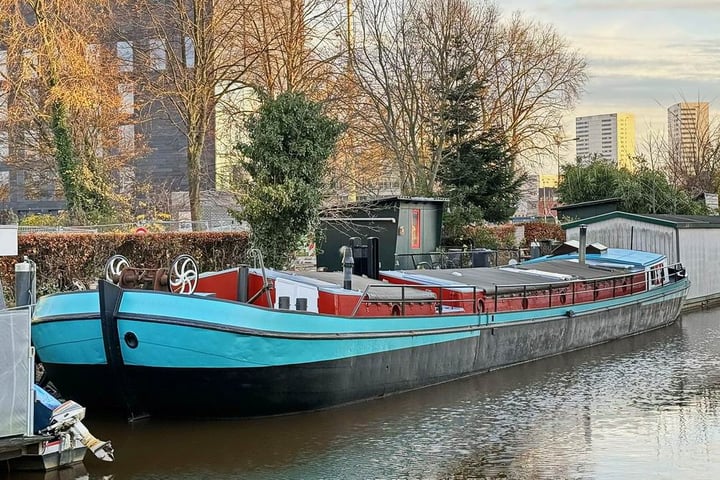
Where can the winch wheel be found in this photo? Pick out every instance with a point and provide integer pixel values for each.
(183, 275)
(114, 267)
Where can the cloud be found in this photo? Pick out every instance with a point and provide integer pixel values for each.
(643, 55)
(669, 64)
(644, 5)
(647, 98)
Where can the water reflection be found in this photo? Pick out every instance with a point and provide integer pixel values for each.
(642, 407)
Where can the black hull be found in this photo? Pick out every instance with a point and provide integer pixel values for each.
(243, 392)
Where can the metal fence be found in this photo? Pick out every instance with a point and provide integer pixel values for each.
(144, 227)
(459, 258)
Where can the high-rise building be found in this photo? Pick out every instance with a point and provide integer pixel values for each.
(610, 136)
(688, 129)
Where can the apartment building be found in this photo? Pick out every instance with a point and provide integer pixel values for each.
(153, 134)
(156, 133)
(610, 136)
(688, 129)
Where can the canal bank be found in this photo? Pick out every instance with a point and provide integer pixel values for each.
(643, 407)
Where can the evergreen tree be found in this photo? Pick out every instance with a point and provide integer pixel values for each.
(477, 172)
(290, 141)
(585, 183)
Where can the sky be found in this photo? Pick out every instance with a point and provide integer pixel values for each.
(642, 55)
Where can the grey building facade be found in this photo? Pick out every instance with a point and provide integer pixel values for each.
(155, 134)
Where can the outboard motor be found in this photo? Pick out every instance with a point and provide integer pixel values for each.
(64, 420)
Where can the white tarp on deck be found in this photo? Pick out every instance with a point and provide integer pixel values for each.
(16, 375)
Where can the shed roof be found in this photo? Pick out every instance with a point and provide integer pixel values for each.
(668, 220)
(395, 198)
(571, 206)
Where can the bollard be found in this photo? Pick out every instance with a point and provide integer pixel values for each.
(534, 249)
(373, 259)
(25, 283)
(359, 254)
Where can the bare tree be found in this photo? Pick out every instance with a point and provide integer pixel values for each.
(405, 58)
(197, 54)
(302, 51)
(693, 149)
(390, 72)
(219, 53)
(301, 47)
(64, 108)
(532, 77)
(690, 163)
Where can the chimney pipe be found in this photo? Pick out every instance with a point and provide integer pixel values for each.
(348, 263)
(582, 244)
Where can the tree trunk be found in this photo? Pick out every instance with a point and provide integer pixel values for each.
(65, 158)
(194, 188)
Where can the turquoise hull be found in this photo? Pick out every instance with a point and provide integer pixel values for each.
(157, 353)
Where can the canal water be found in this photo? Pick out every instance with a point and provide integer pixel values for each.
(646, 407)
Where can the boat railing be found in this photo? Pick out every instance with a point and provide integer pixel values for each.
(451, 258)
(442, 305)
(466, 299)
(258, 261)
(556, 294)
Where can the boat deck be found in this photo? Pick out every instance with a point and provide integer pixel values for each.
(360, 283)
(14, 447)
(519, 277)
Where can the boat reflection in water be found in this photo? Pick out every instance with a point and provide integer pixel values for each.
(642, 407)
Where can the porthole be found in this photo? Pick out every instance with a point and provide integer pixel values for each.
(131, 340)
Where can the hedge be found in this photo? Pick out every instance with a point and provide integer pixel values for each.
(543, 231)
(66, 260)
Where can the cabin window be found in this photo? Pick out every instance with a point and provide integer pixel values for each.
(415, 228)
(656, 274)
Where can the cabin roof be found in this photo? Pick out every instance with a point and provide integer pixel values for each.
(587, 271)
(675, 221)
(332, 282)
(619, 256)
(485, 279)
(516, 278)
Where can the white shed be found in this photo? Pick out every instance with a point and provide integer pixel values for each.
(693, 240)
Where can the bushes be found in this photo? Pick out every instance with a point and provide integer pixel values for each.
(543, 231)
(65, 258)
(503, 236)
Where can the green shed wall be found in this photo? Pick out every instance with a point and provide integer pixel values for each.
(394, 237)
